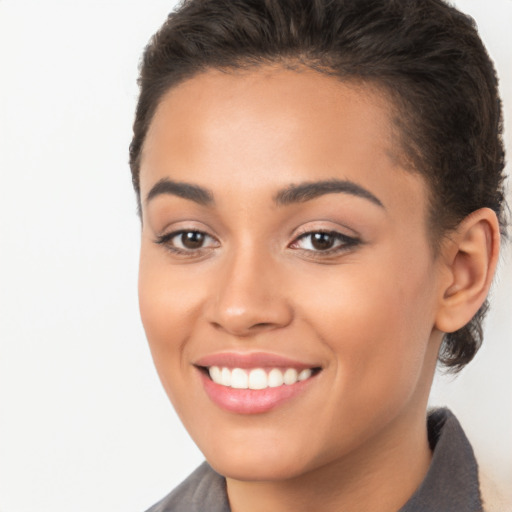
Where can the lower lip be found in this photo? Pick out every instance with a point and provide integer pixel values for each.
(251, 401)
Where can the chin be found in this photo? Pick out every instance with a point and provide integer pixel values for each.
(251, 470)
(259, 461)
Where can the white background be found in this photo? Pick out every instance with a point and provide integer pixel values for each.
(84, 424)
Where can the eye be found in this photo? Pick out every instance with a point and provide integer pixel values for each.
(324, 241)
(187, 241)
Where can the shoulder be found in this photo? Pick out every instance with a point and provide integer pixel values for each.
(203, 486)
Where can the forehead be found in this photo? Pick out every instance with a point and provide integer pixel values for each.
(281, 102)
(269, 127)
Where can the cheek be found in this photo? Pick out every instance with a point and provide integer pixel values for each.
(375, 321)
(379, 356)
(169, 310)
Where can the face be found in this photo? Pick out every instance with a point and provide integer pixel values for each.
(287, 286)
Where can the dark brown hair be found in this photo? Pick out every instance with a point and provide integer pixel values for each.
(424, 54)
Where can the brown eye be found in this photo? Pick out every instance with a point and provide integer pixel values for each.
(322, 241)
(187, 242)
(327, 242)
(192, 239)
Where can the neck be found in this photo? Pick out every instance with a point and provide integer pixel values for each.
(381, 476)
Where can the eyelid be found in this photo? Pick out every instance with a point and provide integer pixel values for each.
(348, 242)
(342, 242)
(183, 225)
(325, 226)
(335, 234)
(165, 239)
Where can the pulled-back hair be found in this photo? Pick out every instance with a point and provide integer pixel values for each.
(423, 54)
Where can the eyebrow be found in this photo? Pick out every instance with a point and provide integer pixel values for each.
(292, 194)
(194, 193)
(311, 190)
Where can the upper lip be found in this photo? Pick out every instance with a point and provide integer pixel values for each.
(252, 360)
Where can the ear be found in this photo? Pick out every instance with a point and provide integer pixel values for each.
(469, 257)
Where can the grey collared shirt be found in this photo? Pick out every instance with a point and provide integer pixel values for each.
(451, 483)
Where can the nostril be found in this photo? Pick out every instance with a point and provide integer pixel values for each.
(261, 325)
(244, 330)
(254, 327)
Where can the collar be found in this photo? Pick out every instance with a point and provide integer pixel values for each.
(451, 483)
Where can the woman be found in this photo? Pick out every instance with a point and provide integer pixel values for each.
(321, 194)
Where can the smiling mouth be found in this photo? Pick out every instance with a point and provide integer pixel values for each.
(258, 378)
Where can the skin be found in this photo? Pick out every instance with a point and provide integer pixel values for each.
(371, 314)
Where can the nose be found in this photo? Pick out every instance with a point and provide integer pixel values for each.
(249, 297)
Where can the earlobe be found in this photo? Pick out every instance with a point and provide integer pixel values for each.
(470, 259)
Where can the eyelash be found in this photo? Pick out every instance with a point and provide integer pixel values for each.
(345, 243)
(166, 241)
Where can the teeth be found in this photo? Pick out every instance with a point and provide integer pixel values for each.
(216, 374)
(257, 378)
(290, 376)
(305, 374)
(225, 377)
(239, 379)
(275, 378)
